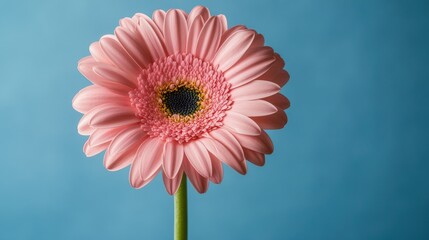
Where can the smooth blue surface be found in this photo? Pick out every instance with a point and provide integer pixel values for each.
(351, 164)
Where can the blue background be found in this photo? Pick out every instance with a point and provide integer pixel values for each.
(352, 162)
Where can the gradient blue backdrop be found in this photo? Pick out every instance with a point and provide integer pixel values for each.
(351, 164)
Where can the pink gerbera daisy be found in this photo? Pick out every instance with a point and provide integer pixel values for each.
(181, 94)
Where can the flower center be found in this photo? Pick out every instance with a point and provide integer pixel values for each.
(181, 100)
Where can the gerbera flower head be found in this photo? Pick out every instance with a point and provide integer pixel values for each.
(181, 94)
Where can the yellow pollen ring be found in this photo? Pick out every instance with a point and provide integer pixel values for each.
(171, 87)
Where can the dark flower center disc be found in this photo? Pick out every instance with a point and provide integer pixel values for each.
(183, 101)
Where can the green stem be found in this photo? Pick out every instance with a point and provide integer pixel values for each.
(181, 212)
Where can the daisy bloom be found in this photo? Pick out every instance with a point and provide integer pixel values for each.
(181, 94)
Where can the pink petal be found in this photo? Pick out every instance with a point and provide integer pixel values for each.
(194, 32)
(158, 17)
(209, 39)
(83, 127)
(87, 60)
(276, 74)
(233, 49)
(282, 78)
(254, 108)
(231, 31)
(241, 124)
(101, 136)
(172, 159)
(172, 185)
(93, 96)
(261, 143)
(254, 90)
(128, 24)
(113, 116)
(277, 66)
(217, 169)
(274, 121)
(209, 143)
(143, 18)
(184, 13)
(86, 67)
(175, 31)
(200, 183)
(116, 75)
(135, 46)
(98, 54)
(117, 54)
(254, 157)
(199, 158)
(228, 150)
(196, 12)
(94, 150)
(279, 101)
(155, 45)
(100, 140)
(226, 156)
(150, 152)
(123, 147)
(224, 137)
(140, 17)
(259, 41)
(136, 180)
(224, 22)
(252, 65)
